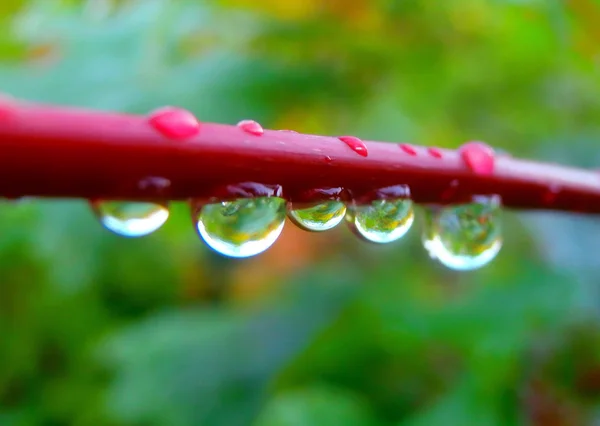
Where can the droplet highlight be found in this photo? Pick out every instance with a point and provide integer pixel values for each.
(320, 217)
(251, 127)
(479, 157)
(355, 144)
(174, 123)
(384, 219)
(130, 219)
(243, 227)
(464, 237)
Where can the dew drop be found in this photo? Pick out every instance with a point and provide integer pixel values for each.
(434, 152)
(174, 123)
(355, 144)
(382, 220)
(408, 149)
(464, 237)
(241, 228)
(478, 157)
(320, 217)
(130, 219)
(251, 126)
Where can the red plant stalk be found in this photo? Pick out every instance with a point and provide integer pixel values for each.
(51, 151)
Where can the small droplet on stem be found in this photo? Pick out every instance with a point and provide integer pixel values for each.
(408, 149)
(251, 127)
(479, 157)
(434, 152)
(174, 123)
(355, 144)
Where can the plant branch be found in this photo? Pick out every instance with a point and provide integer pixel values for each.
(52, 151)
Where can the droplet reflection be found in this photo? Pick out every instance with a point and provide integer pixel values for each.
(130, 219)
(464, 237)
(243, 227)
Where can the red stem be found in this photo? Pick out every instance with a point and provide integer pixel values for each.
(52, 151)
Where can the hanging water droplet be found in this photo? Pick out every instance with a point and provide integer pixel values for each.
(355, 144)
(251, 126)
(130, 219)
(174, 123)
(243, 227)
(385, 219)
(320, 217)
(464, 237)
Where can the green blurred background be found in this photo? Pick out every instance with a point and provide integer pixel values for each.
(321, 330)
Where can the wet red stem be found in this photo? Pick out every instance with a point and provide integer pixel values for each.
(52, 151)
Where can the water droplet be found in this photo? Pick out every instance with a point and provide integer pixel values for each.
(130, 219)
(355, 144)
(320, 217)
(384, 219)
(464, 237)
(251, 126)
(328, 159)
(289, 131)
(408, 149)
(478, 157)
(243, 227)
(174, 123)
(434, 152)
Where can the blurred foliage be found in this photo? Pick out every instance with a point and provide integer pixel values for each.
(321, 329)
